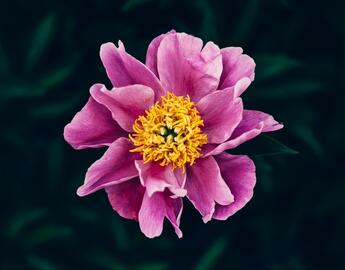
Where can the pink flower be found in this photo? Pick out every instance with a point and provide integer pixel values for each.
(167, 124)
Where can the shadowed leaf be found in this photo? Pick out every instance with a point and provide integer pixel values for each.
(210, 258)
(40, 263)
(263, 145)
(40, 40)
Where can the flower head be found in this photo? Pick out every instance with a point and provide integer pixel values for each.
(167, 124)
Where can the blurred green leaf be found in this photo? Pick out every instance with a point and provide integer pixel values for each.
(23, 219)
(132, 4)
(153, 266)
(48, 234)
(104, 260)
(40, 263)
(40, 40)
(4, 63)
(263, 145)
(54, 109)
(288, 89)
(246, 21)
(307, 135)
(119, 233)
(57, 76)
(211, 256)
(273, 65)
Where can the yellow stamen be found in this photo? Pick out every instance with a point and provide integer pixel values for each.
(170, 132)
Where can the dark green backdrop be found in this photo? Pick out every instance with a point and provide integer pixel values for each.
(49, 59)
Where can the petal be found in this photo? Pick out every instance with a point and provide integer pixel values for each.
(114, 167)
(92, 127)
(184, 68)
(151, 55)
(236, 66)
(123, 69)
(221, 113)
(252, 124)
(153, 211)
(205, 186)
(126, 198)
(239, 174)
(125, 103)
(157, 178)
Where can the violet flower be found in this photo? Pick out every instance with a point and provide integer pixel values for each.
(167, 124)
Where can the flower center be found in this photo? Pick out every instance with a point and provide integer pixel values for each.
(170, 132)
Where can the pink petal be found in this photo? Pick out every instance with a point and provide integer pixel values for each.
(157, 178)
(125, 103)
(205, 186)
(92, 127)
(221, 113)
(123, 69)
(153, 211)
(114, 167)
(185, 68)
(239, 174)
(252, 124)
(126, 198)
(151, 55)
(236, 66)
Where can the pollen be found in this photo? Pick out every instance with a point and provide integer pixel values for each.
(169, 132)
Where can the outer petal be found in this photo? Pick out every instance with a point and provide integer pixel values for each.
(114, 167)
(153, 211)
(151, 55)
(123, 69)
(221, 113)
(92, 127)
(184, 68)
(252, 124)
(205, 186)
(126, 198)
(236, 66)
(239, 174)
(125, 103)
(157, 178)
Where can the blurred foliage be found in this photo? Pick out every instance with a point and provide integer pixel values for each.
(49, 59)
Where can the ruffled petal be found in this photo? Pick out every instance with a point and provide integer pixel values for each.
(221, 113)
(126, 198)
(153, 211)
(239, 174)
(123, 69)
(92, 127)
(206, 187)
(157, 178)
(236, 66)
(253, 123)
(151, 55)
(125, 103)
(185, 68)
(114, 167)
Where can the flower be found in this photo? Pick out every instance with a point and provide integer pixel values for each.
(167, 124)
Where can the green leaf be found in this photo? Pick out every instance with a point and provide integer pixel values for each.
(263, 145)
(289, 89)
(40, 40)
(210, 258)
(22, 220)
(104, 260)
(154, 266)
(40, 263)
(273, 65)
(132, 4)
(49, 233)
(246, 21)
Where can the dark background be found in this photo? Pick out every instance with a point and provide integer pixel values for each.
(49, 59)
